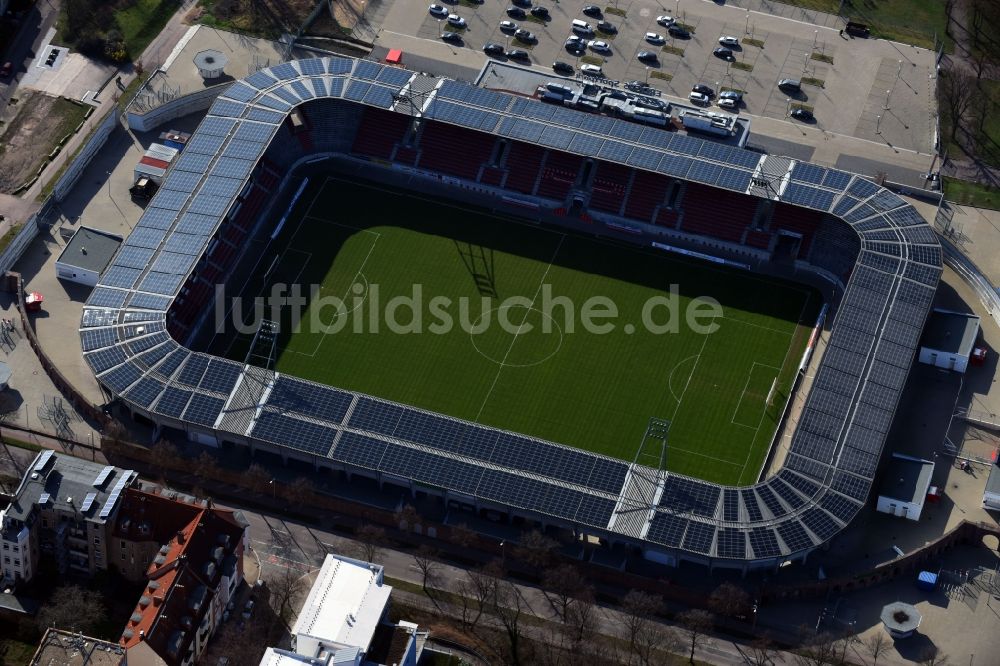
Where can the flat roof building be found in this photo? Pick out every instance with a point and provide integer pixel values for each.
(904, 488)
(991, 495)
(948, 340)
(69, 649)
(86, 256)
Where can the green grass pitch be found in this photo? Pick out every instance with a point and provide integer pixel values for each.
(543, 375)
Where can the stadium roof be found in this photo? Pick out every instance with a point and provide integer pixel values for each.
(828, 471)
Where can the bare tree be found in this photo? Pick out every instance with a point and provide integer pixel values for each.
(652, 640)
(164, 455)
(816, 650)
(72, 608)
(639, 607)
(581, 616)
(299, 491)
(462, 536)
(877, 645)
(426, 560)
(114, 436)
(561, 585)
(284, 589)
(257, 478)
(482, 584)
(536, 549)
(729, 600)
(761, 652)
(205, 466)
(509, 606)
(695, 624)
(956, 91)
(370, 539)
(933, 656)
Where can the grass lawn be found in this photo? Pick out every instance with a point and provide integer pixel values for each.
(143, 21)
(909, 21)
(516, 356)
(971, 194)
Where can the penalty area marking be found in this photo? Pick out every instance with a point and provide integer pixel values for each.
(744, 392)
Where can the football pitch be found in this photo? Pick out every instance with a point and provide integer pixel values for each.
(555, 335)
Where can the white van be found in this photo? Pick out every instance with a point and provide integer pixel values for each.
(582, 27)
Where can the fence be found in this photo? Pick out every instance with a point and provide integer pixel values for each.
(955, 259)
(20, 243)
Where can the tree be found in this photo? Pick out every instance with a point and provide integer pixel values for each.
(653, 639)
(695, 623)
(482, 584)
(729, 600)
(298, 492)
(536, 549)
(462, 536)
(206, 467)
(956, 91)
(370, 539)
(284, 589)
(877, 645)
(816, 650)
(761, 652)
(257, 478)
(426, 560)
(561, 585)
(581, 616)
(509, 605)
(639, 607)
(72, 608)
(164, 455)
(932, 656)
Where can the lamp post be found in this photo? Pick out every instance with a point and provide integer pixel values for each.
(788, 106)
(815, 38)
(899, 70)
(878, 121)
(677, 8)
(119, 208)
(647, 76)
(746, 28)
(887, 93)
(271, 483)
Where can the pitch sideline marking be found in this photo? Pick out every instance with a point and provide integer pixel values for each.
(753, 366)
(503, 362)
(702, 455)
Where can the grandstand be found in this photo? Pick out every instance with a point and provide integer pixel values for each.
(508, 153)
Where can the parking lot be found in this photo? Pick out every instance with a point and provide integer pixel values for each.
(845, 80)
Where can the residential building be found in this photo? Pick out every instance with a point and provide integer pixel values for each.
(191, 556)
(343, 622)
(61, 510)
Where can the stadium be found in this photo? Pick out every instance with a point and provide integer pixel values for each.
(289, 136)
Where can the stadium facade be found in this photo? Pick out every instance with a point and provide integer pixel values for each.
(508, 153)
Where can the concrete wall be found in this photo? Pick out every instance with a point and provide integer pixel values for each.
(74, 274)
(938, 359)
(82, 159)
(894, 507)
(197, 101)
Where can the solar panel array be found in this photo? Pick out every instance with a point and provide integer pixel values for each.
(116, 491)
(833, 454)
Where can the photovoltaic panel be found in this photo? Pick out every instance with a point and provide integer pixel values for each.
(300, 397)
(763, 542)
(182, 181)
(804, 486)
(356, 90)
(266, 116)
(751, 505)
(705, 172)
(667, 528)
(394, 76)
(683, 494)
(585, 144)
(205, 144)
(97, 338)
(145, 391)
(303, 91)
(219, 186)
(360, 450)
(172, 362)
(851, 485)
(819, 523)
(193, 370)
(645, 159)
(862, 188)
(294, 433)
(734, 179)
(699, 537)
(608, 476)
(339, 65)
(731, 543)
(311, 66)
(154, 355)
(794, 536)
(227, 108)
(145, 237)
(627, 131)
(431, 430)
(375, 416)
(746, 159)
(786, 493)
(168, 262)
(595, 510)
(203, 409)
(285, 71)
(808, 196)
(839, 506)
(182, 243)
(160, 283)
(431, 469)
(191, 163)
(240, 92)
(615, 151)
(149, 302)
(157, 218)
(106, 298)
(98, 317)
(730, 505)
(555, 137)
(687, 145)
(216, 126)
(120, 276)
(233, 168)
(286, 94)
(206, 204)
(836, 180)
(805, 172)
(142, 344)
(221, 376)
(276, 103)
(121, 377)
(675, 165)
(261, 80)
(769, 499)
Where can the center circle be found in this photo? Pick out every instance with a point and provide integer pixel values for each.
(527, 345)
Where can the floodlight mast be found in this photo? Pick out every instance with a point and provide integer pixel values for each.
(264, 342)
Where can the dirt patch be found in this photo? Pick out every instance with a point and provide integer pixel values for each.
(38, 126)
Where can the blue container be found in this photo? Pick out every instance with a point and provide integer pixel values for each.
(927, 580)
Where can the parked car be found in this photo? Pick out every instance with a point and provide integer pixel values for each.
(607, 27)
(731, 94)
(665, 21)
(522, 3)
(561, 67)
(248, 609)
(592, 70)
(438, 10)
(517, 54)
(599, 46)
(724, 53)
(576, 46)
(508, 26)
(697, 97)
(451, 37)
(654, 38)
(525, 36)
(729, 40)
(647, 57)
(515, 12)
(493, 49)
(790, 84)
(540, 12)
(592, 10)
(703, 89)
(648, 102)
(456, 20)
(802, 114)
(639, 86)
(728, 103)
(679, 32)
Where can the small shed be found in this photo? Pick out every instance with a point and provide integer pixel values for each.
(905, 486)
(949, 339)
(991, 496)
(86, 256)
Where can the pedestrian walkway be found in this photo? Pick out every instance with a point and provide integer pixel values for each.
(810, 16)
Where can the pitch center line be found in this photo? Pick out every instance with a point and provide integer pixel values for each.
(527, 311)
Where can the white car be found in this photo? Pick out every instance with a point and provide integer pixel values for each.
(438, 10)
(456, 20)
(727, 103)
(508, 26)
(697, 97)
(665, 21)
(596, 45)
(592, 70)
(654, 38)
(729, 40)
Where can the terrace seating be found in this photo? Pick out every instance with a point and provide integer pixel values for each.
(558, 175)
(454, 150)
(717, 213)
(491, 176)
(379, 132)
(797, 220)
(758, 239)
(609, 187)
(523, 163)
(648, 191)
(667, 217)
(406, 155)
(331, 122)
(835, 247)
